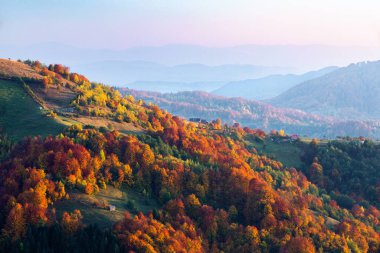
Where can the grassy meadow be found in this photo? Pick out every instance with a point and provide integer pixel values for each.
(20, 115)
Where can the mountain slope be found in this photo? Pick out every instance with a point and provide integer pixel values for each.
(29, 108)
(267, 87)
(20, 115)
(255, 114)
(350, 93)
(15, 69)
(212, 186)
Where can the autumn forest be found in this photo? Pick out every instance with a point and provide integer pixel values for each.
(215, 189)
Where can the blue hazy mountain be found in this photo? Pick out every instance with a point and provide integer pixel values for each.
(351, 92)
(143, 75)
(169, 87)
(267, 87)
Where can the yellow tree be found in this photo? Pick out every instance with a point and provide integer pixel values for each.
(71, 222)
(300, 245)
(147, 156)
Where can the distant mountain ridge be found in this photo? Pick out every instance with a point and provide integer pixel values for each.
(267, 87)
(168, 87)
(352, 92)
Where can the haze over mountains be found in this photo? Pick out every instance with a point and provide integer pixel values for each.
(138, 74)
(175, 68)
(170, 87)
(269, 86)
(301, 57)
(352, 92)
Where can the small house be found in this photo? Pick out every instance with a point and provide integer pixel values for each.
(198, 120)
(294, 137)
(111, 208)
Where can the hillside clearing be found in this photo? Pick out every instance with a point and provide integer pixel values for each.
(123, 199)
(288, 154)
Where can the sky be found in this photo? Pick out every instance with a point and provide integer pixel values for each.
(121, 24)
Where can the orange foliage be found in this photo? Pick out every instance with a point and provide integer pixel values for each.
(146, 234)
(71, 222)
(299, 245)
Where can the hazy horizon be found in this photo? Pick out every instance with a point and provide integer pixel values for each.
(215, 23)
(68, 44)
(295, 34)
(291, 36)
(297, 58)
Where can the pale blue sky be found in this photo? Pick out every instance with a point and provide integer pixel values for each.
(121, 24)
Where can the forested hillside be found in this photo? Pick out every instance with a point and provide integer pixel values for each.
(215, 191)
(348, 93)
(348, 169)
(255, 114)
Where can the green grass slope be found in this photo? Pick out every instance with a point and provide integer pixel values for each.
(123, 199)
(21, 116)
(287, 153)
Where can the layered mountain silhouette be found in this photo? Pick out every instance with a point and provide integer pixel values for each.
(267, 87)
(351, 92)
